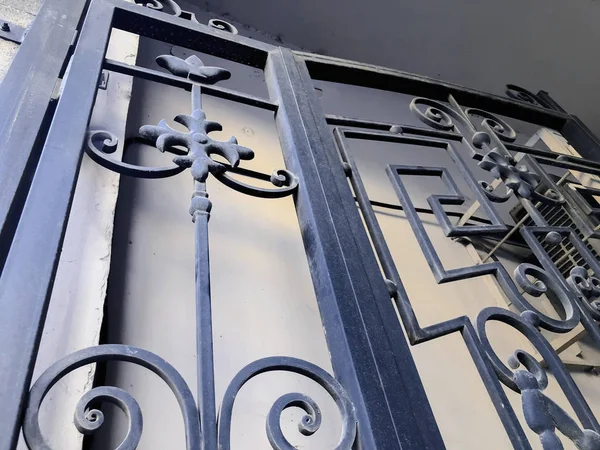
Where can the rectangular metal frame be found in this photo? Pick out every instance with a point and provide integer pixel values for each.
(370, 355)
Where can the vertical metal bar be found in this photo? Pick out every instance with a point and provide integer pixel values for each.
(28, 275)
(25, 94)
(369, 353)
(204, 337)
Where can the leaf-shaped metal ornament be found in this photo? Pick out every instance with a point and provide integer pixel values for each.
(198, 143)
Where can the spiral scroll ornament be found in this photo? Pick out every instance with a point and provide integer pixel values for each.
(159, 5)
(542, 283)
(491, 137)
(542, 414)
(88, 419)
(310, 423)
(222, 25)
(588, 289)
(168, 7)
(521, 94)
(493, 123)
(435, 114)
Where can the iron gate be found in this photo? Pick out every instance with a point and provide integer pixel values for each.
(376, 385)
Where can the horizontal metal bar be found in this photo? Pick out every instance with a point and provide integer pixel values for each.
(359, 123)
(385, 126)
(542, 156)
(190, 34)
(184, 83)
(337, 70)
(391, 137)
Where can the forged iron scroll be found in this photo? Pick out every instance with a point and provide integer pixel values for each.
(285, 180)
(542, 414)
(89, 420)
(310, 423)
(497, 159)
(588, 288)
(494, 124)
(160, 5)
(173, 8)
(437, 115)
(523, 95)
(220, 24)
(99, 155)
(540, 286)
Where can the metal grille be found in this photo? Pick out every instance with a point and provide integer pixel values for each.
(564, 255)
(375, 384)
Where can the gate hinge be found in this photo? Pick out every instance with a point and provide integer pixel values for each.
(391, 287)
(347, 169)
(103, 83)
(11, 32)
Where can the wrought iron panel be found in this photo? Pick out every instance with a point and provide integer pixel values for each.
(376, 386)
(491, 142)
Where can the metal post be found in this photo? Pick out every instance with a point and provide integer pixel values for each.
(361, 325)
(201, 206)
(28, 275)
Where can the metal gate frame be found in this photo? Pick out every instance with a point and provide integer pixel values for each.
(369, 353)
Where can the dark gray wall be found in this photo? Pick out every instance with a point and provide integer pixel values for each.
(539, 44)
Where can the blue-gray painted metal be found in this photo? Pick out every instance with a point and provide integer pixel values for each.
(376, 385)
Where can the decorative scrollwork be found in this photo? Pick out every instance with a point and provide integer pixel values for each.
(160, 6)
(310, 423)
(98, 151)
(89, 420)
(199, 145)
(543, 282)
(220, 24)
(445, 117)
(523, 95)
(285, 181)
(542, 414)
(437, 115)
(588, 288)
(494, 124)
